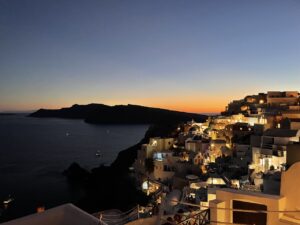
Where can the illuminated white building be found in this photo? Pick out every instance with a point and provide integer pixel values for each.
(148, 150)
(272, 150)
(235, 206)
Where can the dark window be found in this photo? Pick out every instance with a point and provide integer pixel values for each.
(249, 217)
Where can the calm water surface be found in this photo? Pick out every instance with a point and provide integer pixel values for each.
(34, 152)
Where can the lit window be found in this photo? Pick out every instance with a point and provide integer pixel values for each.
(145, 185)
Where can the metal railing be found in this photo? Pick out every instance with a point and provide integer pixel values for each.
(118, 218)
(201, 218)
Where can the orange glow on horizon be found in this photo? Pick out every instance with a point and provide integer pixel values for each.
(192, 102)
(182, 106)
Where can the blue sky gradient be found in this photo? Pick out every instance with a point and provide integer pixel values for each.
(185, 55)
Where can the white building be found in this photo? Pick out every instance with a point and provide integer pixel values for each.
(148, 150)
(272, 150)
(235, 206)
(282, 98)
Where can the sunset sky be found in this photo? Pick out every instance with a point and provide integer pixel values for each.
(186, 55)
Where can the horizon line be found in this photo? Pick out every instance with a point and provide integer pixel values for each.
(21, 111)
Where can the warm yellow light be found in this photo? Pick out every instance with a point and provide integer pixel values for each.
(40, 209)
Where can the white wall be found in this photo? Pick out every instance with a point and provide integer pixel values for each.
(226, 196)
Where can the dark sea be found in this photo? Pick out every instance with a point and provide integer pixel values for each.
(35, 151)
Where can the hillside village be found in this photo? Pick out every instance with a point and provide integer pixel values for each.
(243, 152)
(239, 167)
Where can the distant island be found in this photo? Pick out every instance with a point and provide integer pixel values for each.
(119, 114)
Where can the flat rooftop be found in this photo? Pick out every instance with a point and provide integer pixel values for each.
(249, 193)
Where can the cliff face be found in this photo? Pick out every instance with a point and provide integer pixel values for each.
(120, 114)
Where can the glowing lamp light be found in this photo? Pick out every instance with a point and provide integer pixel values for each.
(145, 185)
(40, 209)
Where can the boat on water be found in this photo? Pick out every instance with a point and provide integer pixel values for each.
(8, 200)
(98, 153)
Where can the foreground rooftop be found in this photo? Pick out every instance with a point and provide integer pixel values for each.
(66, 214)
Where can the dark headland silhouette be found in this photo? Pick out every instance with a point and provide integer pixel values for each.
(119, 114)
